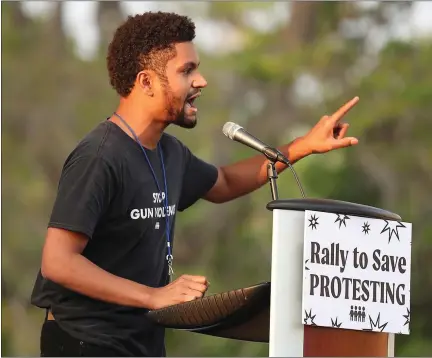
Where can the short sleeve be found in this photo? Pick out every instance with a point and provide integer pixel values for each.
(86, 187)
(198, 178)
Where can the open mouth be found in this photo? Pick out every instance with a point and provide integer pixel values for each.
(190, 101)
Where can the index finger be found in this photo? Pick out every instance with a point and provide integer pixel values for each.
(344, 109)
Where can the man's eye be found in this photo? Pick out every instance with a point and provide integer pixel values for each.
(187, 70)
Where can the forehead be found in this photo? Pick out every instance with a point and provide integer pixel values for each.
(186, 52)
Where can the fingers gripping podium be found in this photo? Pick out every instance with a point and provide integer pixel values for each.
(272, 312)
(238, 314)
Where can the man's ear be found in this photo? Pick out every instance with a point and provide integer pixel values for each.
(145, 81)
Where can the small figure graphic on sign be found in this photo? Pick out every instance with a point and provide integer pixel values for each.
(366, 228)
(341, 220)
(392, 227)
(407, 317)
(313, 222)
(357, 314)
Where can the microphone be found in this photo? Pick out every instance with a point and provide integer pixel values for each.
(239, 134)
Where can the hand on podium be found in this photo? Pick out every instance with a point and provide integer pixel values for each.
(329, 133)
(184, 289)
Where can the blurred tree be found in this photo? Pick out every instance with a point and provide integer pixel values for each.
(54, 31)
(109, 17)
(16, 14)
(278, 82)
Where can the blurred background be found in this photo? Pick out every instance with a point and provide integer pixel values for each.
(274, 68)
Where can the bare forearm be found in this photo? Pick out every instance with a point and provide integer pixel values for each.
(77, 273)
(250, 174)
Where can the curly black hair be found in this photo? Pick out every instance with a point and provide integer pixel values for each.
(145, 41)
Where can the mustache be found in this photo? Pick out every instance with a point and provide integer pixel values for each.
(193, 94)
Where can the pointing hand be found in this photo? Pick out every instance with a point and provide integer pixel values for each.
(329, 133)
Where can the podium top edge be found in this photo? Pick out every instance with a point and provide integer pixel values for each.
(333, 206)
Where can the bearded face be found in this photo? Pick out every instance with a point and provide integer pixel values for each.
(181, 86)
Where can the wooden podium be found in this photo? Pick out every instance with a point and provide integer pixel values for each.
(271, 311)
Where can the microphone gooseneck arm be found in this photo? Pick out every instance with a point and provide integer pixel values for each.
(272, 175)
(286, 161)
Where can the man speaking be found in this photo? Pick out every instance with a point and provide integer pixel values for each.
(107, 257)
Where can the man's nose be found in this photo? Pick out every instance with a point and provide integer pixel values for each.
(199, 81)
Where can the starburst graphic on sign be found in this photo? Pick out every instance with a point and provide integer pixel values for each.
(341, 220)
(313, 221)
(306, 268)
(376, 325)
(309, 317)
(407, 317)
(366, 228)
(335, 323)
(392, 228)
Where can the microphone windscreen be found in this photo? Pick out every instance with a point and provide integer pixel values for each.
(230, 128)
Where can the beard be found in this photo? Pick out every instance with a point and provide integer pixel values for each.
(175, 109)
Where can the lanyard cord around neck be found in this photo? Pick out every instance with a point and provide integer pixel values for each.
(169, 256)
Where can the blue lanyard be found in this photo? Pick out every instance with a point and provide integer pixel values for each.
(169, 256)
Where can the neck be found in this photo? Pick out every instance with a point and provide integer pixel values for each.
(145, 127)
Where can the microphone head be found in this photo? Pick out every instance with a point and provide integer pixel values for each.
(230, 129)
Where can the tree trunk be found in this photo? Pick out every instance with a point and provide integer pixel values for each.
(55, 33)
(19, 19)
(302, 27)
(110, 16)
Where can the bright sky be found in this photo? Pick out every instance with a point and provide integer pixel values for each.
(80, 20)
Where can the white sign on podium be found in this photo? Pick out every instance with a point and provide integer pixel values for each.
(356, 273)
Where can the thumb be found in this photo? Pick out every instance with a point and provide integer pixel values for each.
(346, 142)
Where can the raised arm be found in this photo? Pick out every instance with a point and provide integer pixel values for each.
(250, 174)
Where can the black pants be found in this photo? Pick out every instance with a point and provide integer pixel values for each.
(57, 343)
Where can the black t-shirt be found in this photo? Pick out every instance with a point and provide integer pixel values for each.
(107, 192)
